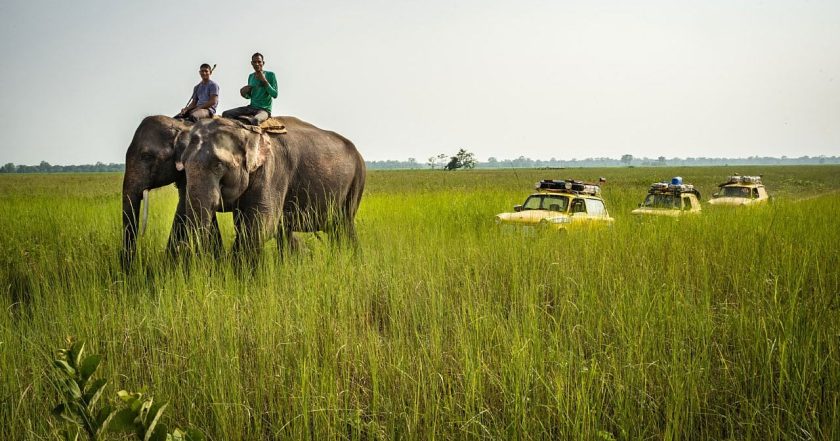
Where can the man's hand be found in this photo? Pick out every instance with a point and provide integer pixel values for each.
(260, 76)
(245, 91)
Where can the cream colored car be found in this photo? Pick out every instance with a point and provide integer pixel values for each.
(741, 190)
(670, 199)
(559, 205)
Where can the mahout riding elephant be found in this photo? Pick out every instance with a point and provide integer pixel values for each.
(150, 163)
(305, 180)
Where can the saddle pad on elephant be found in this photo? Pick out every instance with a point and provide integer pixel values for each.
(273, 125)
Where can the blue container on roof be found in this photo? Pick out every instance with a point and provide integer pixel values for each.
(676, 180)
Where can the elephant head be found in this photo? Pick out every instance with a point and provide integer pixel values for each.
(149, 163)
(220, 157)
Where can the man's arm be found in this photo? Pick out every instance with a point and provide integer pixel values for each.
(213, 101)
(192, 103)
(269, 80)
(245, 91)
(190, 106)
(272, 84)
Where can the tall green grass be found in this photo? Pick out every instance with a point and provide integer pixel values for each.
(723, 326)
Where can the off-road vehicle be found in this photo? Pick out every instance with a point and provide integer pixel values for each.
(560, 204)
(670, 199)
(741, 190)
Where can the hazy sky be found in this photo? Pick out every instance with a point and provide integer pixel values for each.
(543, 79)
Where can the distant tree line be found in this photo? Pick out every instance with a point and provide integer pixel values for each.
(441, 161)
(465, 159)
(46, 167)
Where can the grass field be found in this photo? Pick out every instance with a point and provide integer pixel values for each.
(723, 326)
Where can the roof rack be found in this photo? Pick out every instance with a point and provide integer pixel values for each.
(568, 186)
(676, 186)
(738, 179)
(664, 187)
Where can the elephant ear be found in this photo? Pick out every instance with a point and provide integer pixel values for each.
(181, 142)
(257, 147)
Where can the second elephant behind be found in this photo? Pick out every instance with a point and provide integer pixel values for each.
(307, 180)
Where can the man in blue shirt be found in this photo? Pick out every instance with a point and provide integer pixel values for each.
(204, 99)
(261, 89)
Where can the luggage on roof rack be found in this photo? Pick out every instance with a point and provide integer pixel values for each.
(738, 179)
(676, 186)
(569, 186)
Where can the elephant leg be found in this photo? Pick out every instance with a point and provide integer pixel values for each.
(342, 231)
(350, 232)
(286, 240)
(249, 235)
(236, 249)
(343, 234)
(353, 239)
(177, 237)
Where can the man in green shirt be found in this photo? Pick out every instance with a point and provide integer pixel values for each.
(261, 89)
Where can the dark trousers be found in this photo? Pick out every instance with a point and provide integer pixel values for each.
(247, 114)
(195, 115)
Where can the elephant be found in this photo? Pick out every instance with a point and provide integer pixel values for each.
(305, 180)
(150, 163)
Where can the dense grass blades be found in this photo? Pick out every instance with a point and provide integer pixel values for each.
(720, 326)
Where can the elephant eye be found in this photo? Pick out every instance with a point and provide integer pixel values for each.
(147, 156)
(219, 167)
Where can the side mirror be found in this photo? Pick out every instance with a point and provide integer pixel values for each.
(517, 208)
(716, 195)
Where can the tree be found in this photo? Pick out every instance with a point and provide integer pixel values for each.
(466, 159)
(453, 164)
(8, 168)
(437, 160)
(627, 159)
(462, 159)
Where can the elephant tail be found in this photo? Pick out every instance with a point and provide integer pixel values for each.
(357, 186)
(353, 198)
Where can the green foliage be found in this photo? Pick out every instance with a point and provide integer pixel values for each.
(138, 415)
(46, 167)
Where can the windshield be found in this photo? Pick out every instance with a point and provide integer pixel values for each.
(546, 202)
(661, 201)
(735, 192)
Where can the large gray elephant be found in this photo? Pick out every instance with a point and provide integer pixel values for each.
(150, 163)
(306, 180)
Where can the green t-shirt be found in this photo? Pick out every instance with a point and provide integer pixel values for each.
(261, 94)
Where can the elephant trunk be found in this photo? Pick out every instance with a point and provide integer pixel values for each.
(201, 210)
(130, 215)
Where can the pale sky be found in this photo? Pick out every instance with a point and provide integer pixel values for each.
(542, 79)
